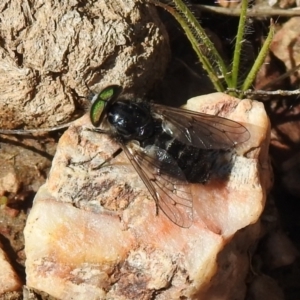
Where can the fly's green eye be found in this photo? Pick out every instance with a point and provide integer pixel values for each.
(100, 101)
(96, 111)
(107, 93)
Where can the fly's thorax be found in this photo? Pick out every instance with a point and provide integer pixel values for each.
(130, 119)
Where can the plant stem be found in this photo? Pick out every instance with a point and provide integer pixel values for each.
(238, 45)
(260, 58)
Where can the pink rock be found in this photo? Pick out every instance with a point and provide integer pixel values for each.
(93, 233)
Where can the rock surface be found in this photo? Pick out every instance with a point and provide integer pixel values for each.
(93, 233)
(52, 50)
(9, 280)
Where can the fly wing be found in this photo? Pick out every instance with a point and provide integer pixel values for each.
(201, 130)
(165, 181)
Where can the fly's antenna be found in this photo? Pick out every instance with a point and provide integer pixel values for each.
(91, 94)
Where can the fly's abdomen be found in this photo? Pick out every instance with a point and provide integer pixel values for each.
(197, 164)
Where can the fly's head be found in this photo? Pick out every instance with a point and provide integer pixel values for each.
(126, 118)
(102, 102)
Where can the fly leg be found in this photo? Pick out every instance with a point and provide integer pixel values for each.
(115, 154)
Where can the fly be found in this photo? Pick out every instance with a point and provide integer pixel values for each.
(168, 147)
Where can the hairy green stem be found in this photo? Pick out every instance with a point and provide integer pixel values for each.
(260, 59)
(238, 45)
